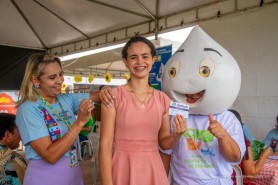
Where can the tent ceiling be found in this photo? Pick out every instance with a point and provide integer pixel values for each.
(66, 26)
(97, 64)
(69, 26)
(50, 24)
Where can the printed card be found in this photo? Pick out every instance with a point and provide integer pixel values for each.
(179, 108)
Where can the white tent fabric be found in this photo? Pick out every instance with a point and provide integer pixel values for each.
(98, 63)
(49, 24)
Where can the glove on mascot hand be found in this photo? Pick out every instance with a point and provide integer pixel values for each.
(202, 74)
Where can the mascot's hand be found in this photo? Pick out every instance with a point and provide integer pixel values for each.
(179, 126)
(215, 128)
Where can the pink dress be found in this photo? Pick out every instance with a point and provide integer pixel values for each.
(136, 159)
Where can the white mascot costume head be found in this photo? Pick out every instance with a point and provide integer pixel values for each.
(202, 74)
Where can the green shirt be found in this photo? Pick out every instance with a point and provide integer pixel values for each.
(90, 123)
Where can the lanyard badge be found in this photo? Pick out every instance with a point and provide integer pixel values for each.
(73, 156)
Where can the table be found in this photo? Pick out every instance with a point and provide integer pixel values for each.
(268, 174)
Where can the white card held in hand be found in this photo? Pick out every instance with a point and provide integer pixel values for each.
(179, 108)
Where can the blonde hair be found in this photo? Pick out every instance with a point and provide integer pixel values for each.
(35, 67)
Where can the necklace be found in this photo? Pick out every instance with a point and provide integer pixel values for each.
(141, 102)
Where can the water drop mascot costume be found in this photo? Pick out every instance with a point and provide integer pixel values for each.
(205, 76)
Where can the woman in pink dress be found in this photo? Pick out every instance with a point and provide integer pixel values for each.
(134, 127)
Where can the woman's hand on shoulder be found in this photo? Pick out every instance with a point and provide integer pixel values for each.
(106, 96)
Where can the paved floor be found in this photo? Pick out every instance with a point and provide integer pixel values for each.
(87, 166)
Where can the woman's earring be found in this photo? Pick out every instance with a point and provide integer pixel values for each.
(36, 86)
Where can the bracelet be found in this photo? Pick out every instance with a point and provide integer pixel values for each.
(72, 132)
(74, 136)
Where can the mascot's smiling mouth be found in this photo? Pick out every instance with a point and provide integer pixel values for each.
(193, 98)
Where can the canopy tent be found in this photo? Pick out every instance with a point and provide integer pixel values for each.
(69, 26)
(55, 25)
(110, 61)
(246, 28)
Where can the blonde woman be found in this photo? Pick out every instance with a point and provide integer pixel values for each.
(47, 124)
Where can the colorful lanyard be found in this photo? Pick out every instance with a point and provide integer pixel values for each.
(67, 121)
(72, 153)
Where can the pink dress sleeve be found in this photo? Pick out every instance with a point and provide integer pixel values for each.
(165, 101)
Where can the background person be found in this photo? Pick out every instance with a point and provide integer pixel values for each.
(12, 165)
(137, 122)
(248, 166)
(47, 123)
(83, 135)
(247, 132)
(245, 128)
(271, 138)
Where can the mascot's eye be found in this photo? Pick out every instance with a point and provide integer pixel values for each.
(174, 68)
(207, 67)
(204, 71)
(172, 72)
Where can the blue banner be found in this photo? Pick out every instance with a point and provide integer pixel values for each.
(163, 54)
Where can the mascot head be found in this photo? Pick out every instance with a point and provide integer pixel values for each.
(202, 74)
